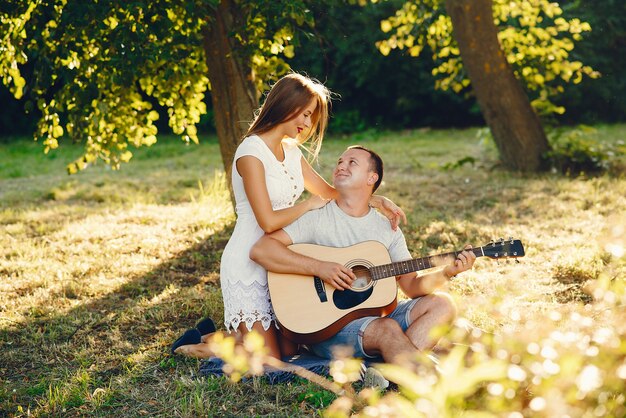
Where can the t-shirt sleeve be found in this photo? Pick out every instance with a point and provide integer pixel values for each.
(302, 230)
(398, 250)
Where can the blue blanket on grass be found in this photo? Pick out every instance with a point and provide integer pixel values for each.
(214, 367)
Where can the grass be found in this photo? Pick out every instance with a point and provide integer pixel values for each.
(101, 271)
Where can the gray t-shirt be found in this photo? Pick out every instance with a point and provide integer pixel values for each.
(332, 227)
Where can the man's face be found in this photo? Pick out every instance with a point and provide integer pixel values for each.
(353, 170)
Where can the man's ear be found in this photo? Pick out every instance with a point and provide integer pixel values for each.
(372, 179)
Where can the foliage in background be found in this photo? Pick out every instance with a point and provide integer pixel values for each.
(573, 151)
(94, 68)
(537, 41)
(578, 151)
(374, 91)
(351, 66)
(95, 71)
(604, 49)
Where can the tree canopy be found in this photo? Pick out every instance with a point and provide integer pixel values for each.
(101, 73)
(537, 40)
(96, 70)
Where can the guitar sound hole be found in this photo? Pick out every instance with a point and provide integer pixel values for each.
(363, 278)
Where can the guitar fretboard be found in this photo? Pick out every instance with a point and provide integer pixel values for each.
(416, 264)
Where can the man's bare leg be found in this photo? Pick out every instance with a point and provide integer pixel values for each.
(430, 311)
(385, 337)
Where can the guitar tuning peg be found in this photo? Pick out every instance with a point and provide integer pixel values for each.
(517, 261)
(501, 240)
(511, 240)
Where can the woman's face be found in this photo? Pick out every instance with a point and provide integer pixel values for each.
(300, 125)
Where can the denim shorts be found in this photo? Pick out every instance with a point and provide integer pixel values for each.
(352, 334)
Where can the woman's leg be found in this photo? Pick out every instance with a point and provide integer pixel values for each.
(203, 349)
(270, 336)
(287, 347)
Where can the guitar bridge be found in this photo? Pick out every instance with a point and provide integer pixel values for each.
(320, 289)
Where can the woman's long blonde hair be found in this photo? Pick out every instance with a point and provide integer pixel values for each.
(288, 97)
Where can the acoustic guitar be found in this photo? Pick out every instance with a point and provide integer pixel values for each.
(309, 311)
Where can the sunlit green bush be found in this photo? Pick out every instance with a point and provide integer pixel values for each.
(577, 151)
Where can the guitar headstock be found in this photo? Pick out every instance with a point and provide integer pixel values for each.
(511, 248)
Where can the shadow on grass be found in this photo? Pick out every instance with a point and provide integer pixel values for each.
(104, 334)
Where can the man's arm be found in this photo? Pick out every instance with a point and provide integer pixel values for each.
(271, 253)
(413, 286)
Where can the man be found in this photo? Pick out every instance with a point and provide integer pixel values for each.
(349, 220)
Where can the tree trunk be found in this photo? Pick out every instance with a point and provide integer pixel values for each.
(233, 92)
(515, 126)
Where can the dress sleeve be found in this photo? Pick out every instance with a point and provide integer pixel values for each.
(250, 146)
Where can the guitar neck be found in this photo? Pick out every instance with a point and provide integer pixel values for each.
(416, 264)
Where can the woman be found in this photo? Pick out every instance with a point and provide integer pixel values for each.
(268, 176)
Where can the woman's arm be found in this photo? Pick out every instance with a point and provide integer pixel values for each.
(271, 253)
(253, 174)
(389, 209)
(315, 183)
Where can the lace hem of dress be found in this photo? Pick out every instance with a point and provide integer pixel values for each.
(247, 304)
(249, 320)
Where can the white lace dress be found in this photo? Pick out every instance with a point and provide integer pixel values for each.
(244, 283)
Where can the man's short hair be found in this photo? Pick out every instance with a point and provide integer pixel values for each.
(376, 164)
